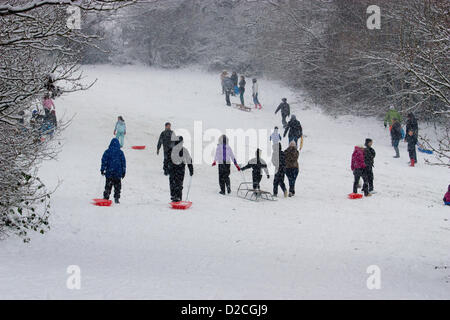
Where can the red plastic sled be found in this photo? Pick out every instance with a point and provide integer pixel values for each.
(355, 196)
(101, 202)
(138, 147)
(181, 205)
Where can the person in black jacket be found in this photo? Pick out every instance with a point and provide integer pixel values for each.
(235, 79)
(285, 111)
(396, 136)
(179, 157)
(165, 140)
(257, 165)
(279, 161)
(412, 141)
(242, 89)
(369, 159)
(412, 125)
(295, 130)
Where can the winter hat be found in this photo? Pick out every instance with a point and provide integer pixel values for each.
(293, 117)
(167, 124)
(254, 79)
(367, 141)
(276, 128)
(284, 99)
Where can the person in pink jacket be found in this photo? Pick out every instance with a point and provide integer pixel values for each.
(358, 165)
(224, 157)
(48, 104)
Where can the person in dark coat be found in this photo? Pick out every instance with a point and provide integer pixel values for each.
(242, 89)
(224, 157)
(396, 136)
(165, 140)
(358, 167)
(285, 111)
(412, 125)
(412, 142)
(279, 161)
(257, 165)
(291, 154)
(295, 130)
(179, 157)
(234, 77)
(113, 168)
(369, 160)
(228, 86)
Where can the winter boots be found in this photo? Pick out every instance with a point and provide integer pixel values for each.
(413, 162)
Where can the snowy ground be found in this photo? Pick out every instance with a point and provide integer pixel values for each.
(316, 245)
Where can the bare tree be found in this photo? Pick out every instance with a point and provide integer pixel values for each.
(38, 50)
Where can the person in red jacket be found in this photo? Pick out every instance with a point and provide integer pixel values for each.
(358, 167)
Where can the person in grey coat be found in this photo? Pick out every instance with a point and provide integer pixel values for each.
(228, 85)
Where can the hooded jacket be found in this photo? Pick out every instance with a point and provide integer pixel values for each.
(113, 161)
(224, 154)
(447, 195)
(358, 159)
(294, 127)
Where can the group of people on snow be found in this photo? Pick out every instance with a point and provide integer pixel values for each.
(177, 157)
(233, 85)
(394, 120)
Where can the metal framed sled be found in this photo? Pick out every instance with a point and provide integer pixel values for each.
(246, 191)
(242, 107)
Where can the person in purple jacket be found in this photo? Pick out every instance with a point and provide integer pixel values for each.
(447, 197)
(224, 157)
(358, 167)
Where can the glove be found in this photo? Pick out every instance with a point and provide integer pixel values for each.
(102, 172)
(268, 176)
(191, 173)
(385, 125)
(123, 176)
(157, 152)
(214, 163)
(238, 168)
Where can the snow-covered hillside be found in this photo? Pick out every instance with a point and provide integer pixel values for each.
(316, 245)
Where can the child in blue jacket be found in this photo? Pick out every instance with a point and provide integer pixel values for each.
(114, 169)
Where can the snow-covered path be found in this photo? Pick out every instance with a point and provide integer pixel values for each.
(316, 245)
